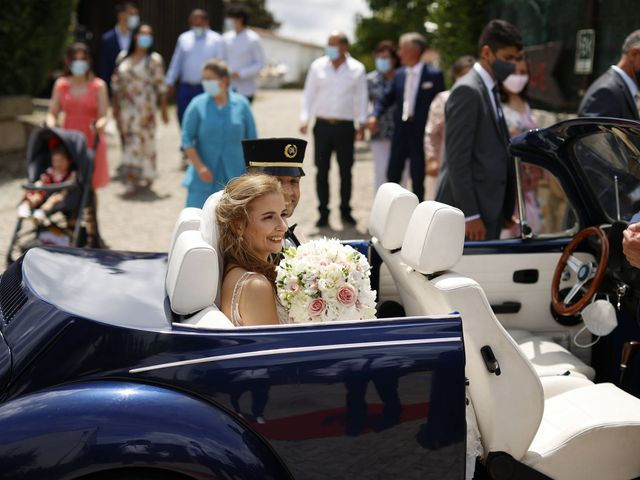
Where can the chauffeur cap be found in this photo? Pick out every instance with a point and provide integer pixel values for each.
(281, 157)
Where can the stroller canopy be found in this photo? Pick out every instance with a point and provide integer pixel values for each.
(39, 154)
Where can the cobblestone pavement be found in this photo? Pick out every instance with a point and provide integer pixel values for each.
(145, 222)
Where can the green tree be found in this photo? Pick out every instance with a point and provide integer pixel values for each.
(259, 15)
(459, 24)
(454, 26)
(390, 19)
(33, 35)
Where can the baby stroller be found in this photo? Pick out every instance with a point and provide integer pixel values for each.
(74, 221)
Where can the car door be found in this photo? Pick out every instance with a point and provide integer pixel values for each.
(516, 270)
(325, 396)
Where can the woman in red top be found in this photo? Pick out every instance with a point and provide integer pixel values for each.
(83, 98)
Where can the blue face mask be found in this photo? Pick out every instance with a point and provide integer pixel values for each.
(383, 65)
(211, 87)
(229, 24)
(79, 67)
(133, 21)
(145, 40)
(198, 31)
(332, 52)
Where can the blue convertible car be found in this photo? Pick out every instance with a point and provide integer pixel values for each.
(117, 365)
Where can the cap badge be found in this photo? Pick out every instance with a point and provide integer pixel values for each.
(290, 151)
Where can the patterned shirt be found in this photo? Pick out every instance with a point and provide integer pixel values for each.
(377, 84)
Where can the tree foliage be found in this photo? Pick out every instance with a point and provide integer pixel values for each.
(33, 35)
(259, 15)
(459, 23)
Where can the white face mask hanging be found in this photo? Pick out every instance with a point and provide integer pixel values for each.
(599, 318)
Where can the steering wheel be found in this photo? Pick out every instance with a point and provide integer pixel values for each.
(585, 272)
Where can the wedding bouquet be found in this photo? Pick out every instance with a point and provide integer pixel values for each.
(324, 281)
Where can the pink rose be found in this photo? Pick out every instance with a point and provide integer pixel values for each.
(292, 286)
(317, 307)
(346, 295)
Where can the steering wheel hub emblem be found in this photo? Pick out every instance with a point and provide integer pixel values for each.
(583, 273)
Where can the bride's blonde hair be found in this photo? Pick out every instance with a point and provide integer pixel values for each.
(232, 216)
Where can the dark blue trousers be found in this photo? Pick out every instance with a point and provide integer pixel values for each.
(186, 91)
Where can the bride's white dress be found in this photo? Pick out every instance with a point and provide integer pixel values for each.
(236, 319)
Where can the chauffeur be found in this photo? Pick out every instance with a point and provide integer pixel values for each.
(282, 158)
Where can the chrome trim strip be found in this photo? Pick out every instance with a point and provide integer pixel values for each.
(280, 351)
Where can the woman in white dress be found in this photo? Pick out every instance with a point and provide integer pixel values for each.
(251, 218)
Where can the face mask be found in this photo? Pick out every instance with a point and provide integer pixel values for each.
(79, 67)
(198, 31)
(211, 87)
(332, 52)
(133, 21)
(383, 65)
(144, 40)
(502, 69)
(229, 24)
(599, 318)
(515, 83)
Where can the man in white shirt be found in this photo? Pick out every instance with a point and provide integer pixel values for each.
(335, 92)
(193, 49)
(245, 55)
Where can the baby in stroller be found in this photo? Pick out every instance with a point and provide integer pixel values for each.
(38, 204)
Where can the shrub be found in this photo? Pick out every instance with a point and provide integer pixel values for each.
(33, 35)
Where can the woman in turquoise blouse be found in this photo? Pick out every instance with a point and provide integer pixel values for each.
(213, 127)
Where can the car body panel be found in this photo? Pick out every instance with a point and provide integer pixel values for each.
(329, 390)
(83, 428)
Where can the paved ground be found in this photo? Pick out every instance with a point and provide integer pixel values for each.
(145, 222)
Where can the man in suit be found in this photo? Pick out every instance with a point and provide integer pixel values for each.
(477, 175)
(117, 39)
(412, 89)
(613, 94)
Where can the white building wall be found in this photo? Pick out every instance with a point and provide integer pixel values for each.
(294, 56)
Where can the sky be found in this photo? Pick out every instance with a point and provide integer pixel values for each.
(313, 20)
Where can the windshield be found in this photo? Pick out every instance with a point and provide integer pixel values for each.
(609, 156)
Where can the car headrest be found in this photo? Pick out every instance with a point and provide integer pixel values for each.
(208, 225)
(210, 234)
(189, 219)
(192, 274)
(390, 214)
(435, 238)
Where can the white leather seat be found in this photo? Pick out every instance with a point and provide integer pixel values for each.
(586, 431)
(388, 221)
(192, 281)
(189, 219)
(428, 254)
(209, 232)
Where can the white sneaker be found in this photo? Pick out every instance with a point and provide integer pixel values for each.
(23, 210)
(40, 216)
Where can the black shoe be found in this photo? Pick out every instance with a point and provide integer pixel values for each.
(347, 219)
(323, 221)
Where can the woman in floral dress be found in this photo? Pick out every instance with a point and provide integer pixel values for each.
(138, 84)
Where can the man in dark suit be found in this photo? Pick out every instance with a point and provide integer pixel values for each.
(613, 94)
(477, 174)
(117, 39)
(411, 89)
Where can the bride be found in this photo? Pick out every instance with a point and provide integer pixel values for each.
(251, 218)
